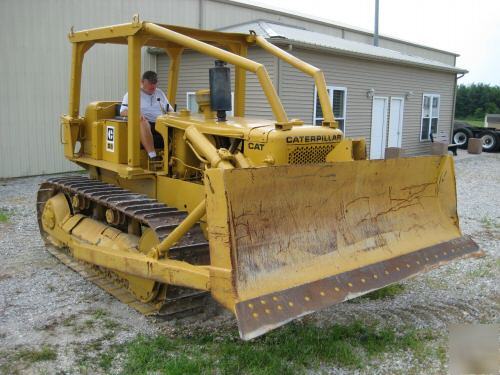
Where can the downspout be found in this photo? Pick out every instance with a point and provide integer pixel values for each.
(200, 14)
(457, 77)
(375, 34)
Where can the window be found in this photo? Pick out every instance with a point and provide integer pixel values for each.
(338, 97)
(430, 116)
(193, 106)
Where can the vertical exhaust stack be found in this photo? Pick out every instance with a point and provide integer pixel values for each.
(220, 89)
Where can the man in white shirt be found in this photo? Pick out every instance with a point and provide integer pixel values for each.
(153, 104)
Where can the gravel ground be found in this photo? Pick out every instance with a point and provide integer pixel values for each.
(43, 303)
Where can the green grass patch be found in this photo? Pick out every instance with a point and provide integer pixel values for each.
(19, 360)
(111, 324)
(487, 269)
(4, 216)
(479, 123)
(480, 272)
(387, 292)
(99, 314)
(46, 353)
(105, 360)
(98, 319)
(472, 122)
(69, 321)
(295, 348)
(441, 353)
(436, 283)
(490, 223)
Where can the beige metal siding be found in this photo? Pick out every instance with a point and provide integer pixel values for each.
(36, 56)
(358, 76)
(35, 64)
(194, 76)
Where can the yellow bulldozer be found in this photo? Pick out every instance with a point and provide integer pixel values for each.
(273, 219)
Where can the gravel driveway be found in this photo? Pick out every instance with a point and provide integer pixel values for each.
(45, 305)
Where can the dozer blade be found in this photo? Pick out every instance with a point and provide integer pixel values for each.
(300, 238)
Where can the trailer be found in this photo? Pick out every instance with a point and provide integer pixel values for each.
(489, 134)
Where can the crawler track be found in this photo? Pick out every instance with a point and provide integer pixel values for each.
(172, 301)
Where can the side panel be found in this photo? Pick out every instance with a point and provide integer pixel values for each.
(145, 185)
(114, 141)
(183, 195)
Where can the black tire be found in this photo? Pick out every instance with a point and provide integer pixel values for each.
(461, 137)
(490, 141)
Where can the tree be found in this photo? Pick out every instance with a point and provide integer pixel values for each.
(474, 101)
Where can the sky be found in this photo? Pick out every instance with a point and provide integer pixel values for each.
(468, 28)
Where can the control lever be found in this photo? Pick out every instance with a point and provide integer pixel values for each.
(161, 107)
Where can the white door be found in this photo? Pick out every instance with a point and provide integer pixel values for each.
(396, 122)
(379, 127)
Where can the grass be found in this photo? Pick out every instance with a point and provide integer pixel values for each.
(388, 291)
(473, 122)
(295, 348)
(441, 353)
(88, 324)
(46, 353)
(487, 269)
(99, 314)
(69, 321)
(91, 354)
(97, 352)
(105, 360)
(4, 216)
(490, 223)
(436, 283)
(111, 324)
(98, 318)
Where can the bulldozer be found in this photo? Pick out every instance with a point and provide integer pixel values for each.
(271, 218)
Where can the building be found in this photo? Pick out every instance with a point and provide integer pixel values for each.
(390, 95)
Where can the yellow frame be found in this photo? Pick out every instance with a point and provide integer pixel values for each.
(174, 40)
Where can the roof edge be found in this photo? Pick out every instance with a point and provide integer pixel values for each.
(282, 40)
(323, 21)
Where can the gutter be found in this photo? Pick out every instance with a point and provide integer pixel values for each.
(304, 45)
(457, 77)
(280, 40)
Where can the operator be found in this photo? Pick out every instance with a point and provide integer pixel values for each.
(153, 104)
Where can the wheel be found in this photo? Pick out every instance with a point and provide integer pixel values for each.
(489, 140)
(461, 137)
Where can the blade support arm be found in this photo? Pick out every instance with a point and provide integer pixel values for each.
(195, 215)
(203, 147)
